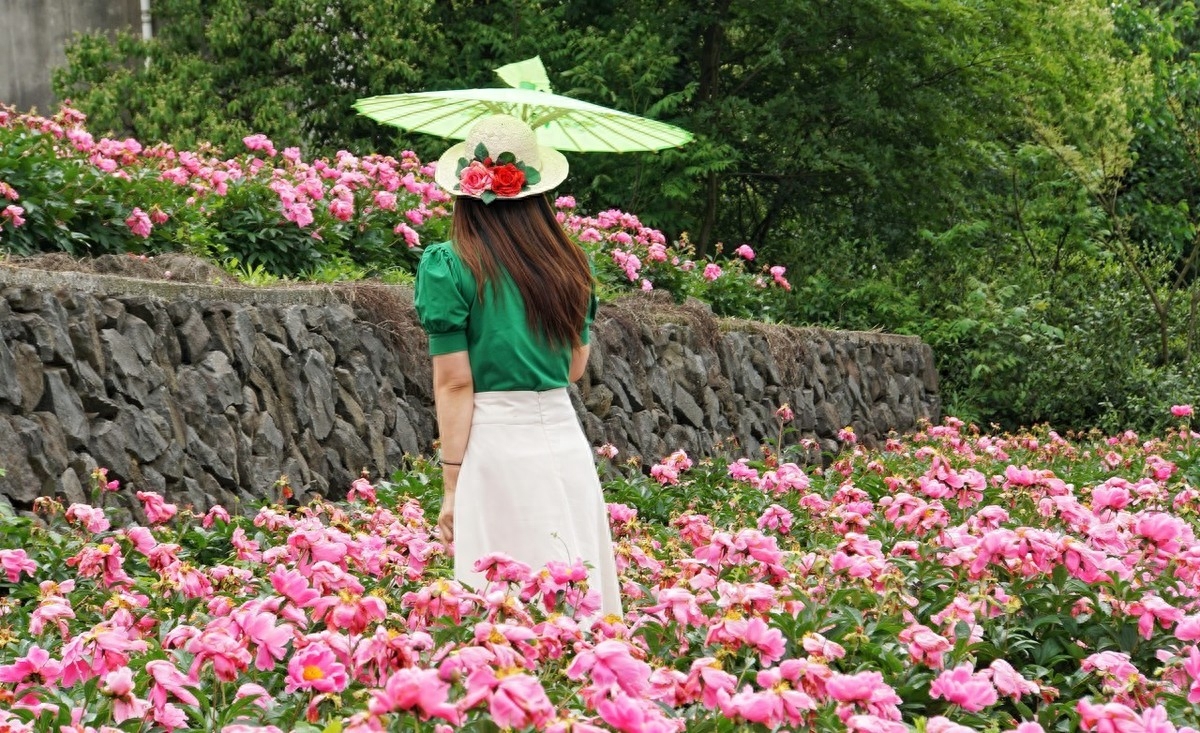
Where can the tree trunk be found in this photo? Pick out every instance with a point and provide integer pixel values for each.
(710, 67)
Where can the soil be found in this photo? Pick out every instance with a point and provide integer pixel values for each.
(174, 267)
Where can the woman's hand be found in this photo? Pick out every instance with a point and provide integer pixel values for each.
(446, 515)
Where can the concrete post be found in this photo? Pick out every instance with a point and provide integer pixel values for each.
(34, 34)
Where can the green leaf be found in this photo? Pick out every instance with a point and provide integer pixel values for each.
(481, 152)
(505, 158)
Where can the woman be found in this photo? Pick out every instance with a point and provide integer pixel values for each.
(508, 305)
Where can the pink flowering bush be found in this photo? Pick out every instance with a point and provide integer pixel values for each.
(949, 581)
(263, 208)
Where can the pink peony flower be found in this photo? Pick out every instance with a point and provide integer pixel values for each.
(15, 562)
(156, 508)
(519, 701)
(385, 200)
(411, 238)
(963, 687)
(342, 209)
(416, 689)
(167, 680)
(139, 223)
(1110, 717)
(610, 664)
(218, 512)
(1008, 681)
(712, 271)
(260, 142)
(777, 275)
(14, 213)
(36, 667)
(118, 684)
(316, 668)
(608, 450)
(745, 252)
(361, 489)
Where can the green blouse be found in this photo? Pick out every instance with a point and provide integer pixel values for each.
(505, 354)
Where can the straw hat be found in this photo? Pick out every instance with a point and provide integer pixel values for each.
(500, 159)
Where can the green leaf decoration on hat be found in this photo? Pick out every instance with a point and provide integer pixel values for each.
(505, 159)
(532, 177)
(481, 152)
(487, 197)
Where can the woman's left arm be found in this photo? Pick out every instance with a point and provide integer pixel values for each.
(454, 397)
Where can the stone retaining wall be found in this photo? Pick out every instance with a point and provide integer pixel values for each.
(208, 394)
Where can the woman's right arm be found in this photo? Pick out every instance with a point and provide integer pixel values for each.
(579, 360)
(454, 398)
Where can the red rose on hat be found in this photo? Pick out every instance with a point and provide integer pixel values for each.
(507, 180)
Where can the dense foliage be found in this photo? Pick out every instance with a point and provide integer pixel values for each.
(952, 581)
(1012, 180)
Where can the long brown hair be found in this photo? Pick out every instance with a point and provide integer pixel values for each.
(523, 238)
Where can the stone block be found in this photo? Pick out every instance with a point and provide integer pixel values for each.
(315, 406)
(686, 408)
(64, 403)
(194, 338)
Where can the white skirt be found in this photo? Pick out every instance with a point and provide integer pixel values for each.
(528, 488)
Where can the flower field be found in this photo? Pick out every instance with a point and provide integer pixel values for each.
(950, 581)
(267, 213)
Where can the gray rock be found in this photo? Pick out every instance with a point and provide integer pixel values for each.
(194, 338)
(65, 404)
(349, 410)
(316, 393)
(29, 373)
(172, 461)
(662, 387)
(619, 378)
(70, 486)
(351, 452)
(108, 446)
(682, 437)
(294, 324)
(146, 433)
(753, 386)
(243, 330)
(113, 312)
(45, 445)
(222, 384)
(405, 434)
(51, 340)
(268, 441)
(141, 337)
(599, 401)
(10, 386)
(686, 408)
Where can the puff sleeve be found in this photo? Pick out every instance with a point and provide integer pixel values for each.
(442, 306)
